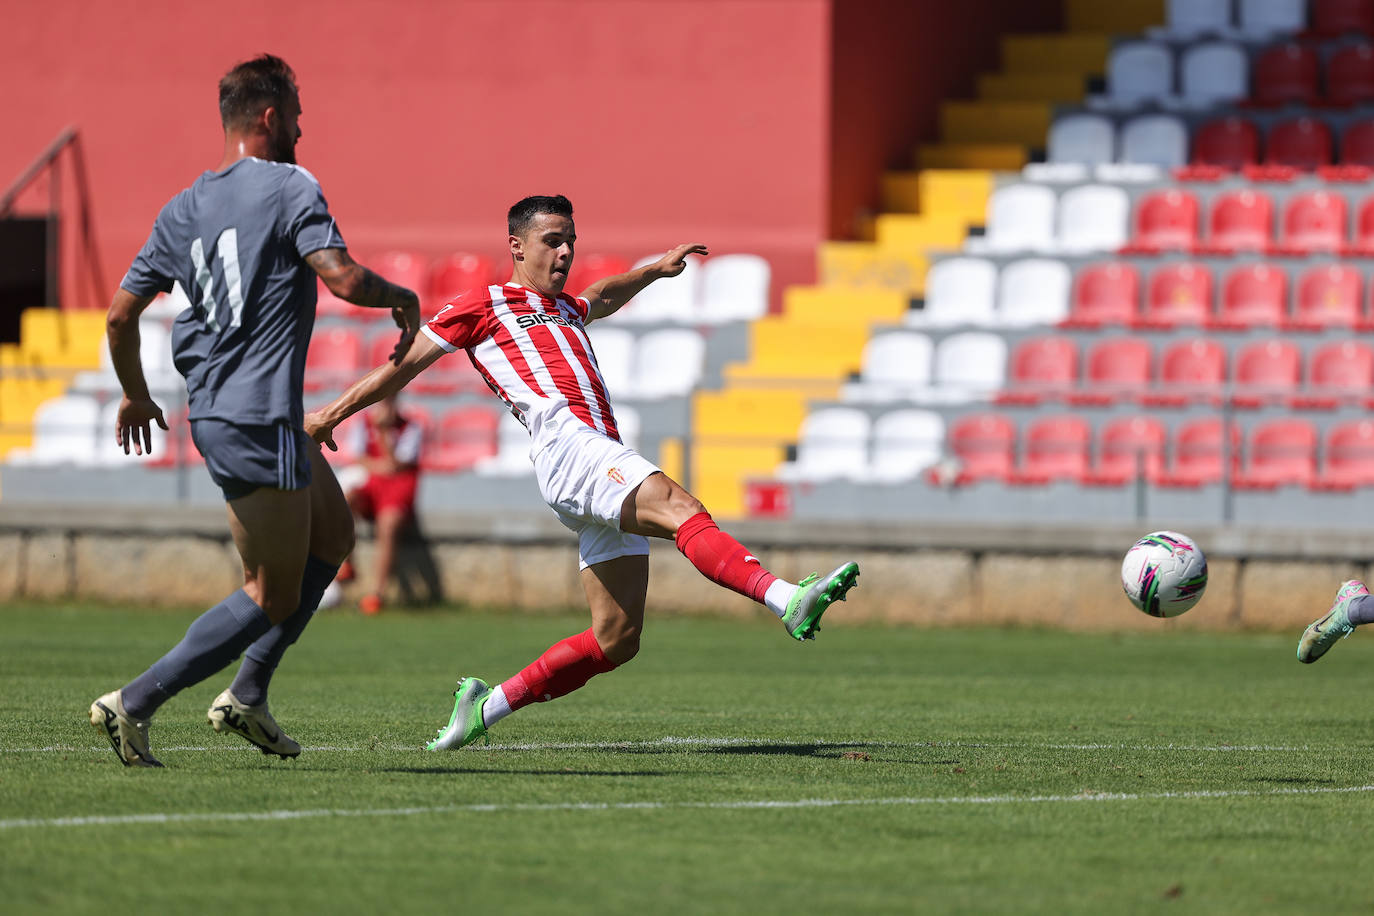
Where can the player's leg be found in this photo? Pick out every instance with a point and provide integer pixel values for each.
(1353, 607)
(660, 507)
(390, 522)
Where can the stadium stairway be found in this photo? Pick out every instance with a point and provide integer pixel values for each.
(54, 346)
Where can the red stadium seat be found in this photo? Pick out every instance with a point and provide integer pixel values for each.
(404, 268)
(1116, 368)
(1363, 244)
(451, 373)
(1253, 295)
(334, 358)
(465, 435)
(1239, 221)
(1328, 296)
(1189, 370)
(1285, 73)
(1128, 447)
(1229, 142)
(1265, 372)
(1350, 75)
(1279, 452)
(1200, 454)
(1313, 221)
(1178, 294)
(1338, 17)
(1056, 448)
(1303, 143)
(983, 445)
(587, 269)
(457, 273)
(1039, 368)
(1337, 372)
(1105, 294)
(1349, 456)
(1165, 221)
(1357, 144)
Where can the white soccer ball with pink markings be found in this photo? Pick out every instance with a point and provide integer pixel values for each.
(1164, 574)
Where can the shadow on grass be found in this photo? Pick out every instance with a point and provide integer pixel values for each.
(497, 771)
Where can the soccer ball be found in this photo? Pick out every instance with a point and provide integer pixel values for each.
(1164, 574)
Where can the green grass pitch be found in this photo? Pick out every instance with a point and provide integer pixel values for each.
(727, 769)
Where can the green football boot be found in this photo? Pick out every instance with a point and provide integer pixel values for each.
(465, 725)
(813, 596)
(1325, 632)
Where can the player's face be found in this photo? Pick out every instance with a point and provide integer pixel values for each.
(288, 130)
(546, 250)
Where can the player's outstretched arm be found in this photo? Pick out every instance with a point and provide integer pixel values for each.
(386, 379)
(137, 411)
(608, 295)
(352, 282)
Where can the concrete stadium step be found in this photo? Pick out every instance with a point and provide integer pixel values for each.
(1081, 53)
(976, 122)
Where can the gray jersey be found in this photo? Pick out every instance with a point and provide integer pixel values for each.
(236, 241)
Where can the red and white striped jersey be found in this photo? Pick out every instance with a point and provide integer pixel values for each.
(533, 352)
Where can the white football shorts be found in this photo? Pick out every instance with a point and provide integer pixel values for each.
(585, 476)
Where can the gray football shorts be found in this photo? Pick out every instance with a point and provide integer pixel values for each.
(241, 458)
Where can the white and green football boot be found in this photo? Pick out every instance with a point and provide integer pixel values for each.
(1325, 632)
(814, 594)
(465, 725)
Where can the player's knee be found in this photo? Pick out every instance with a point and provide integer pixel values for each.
(684, 506)
(335, 542)
(621, 645)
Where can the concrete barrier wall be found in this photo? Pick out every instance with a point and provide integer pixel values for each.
(949, 576)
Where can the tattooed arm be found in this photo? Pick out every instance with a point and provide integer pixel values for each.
(352, 282)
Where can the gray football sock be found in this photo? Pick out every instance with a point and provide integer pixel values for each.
(213, 640)
(1361, 610)
(263, 656)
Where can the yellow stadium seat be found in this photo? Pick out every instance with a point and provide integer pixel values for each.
(920, 232)
(720, 471)
(1084, 53)
(1001, 157)
(866, 265)
(995, 122)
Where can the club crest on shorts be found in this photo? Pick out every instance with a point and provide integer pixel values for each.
(614, 474)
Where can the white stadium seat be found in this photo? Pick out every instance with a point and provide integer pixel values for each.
(1139, 72)
(833, 446)
(671, 300)
(733, 287)
(1093, 218)
(969, 366)
(614, 348)
(958, 291)
(64, 432)
(1195, 18)
(628, 423)
(896, 366)
(1020, 218)
(1156, 139)
(905, 443)
(668, 363)
(1082, 138)
(1033, 292)
(1214, 73)
(1265, 18)
(512, 458)
(155, 352)
(109, 452)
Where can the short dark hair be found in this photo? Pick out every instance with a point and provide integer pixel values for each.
(523, 213)
(253, 86)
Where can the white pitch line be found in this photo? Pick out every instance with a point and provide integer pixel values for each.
(743, 805)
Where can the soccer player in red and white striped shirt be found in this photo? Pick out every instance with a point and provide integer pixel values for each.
(528, 339)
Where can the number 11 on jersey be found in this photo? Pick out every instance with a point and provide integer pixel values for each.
(228, 247)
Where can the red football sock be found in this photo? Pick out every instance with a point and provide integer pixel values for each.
(564, 667)
(721, 558)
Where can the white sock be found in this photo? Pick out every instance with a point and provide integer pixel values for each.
(496, 708)
(777, 596)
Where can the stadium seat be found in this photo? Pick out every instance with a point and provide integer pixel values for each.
(1177, 294)
(1093, 218)
(662, 302)
(404, 268)
(1313, 221)
(1190, 371)
(588, 268)
(334, 359)
(1230, 142)
(905, 443)
(1154, 139)
(982, 445)
(1303, 143)
(328, 305)
(1214, 73)
(1139, 72)
(1260, 19)
(1348, 458)
(1363, 243)
(896, 366)
(1253, 295)
(512, 458)
(1337, 372)
(1033, 292)
(463, 436)
(1350, 75)
(1239, 220)
(65, 431)
(1265, 372)
(1082, 138)
(1115, 369)
(958, 291)
(668, 363)
(832, 445)
(1357, 144)
(614, 349)
(970, 366)
(1054, 448)
(1339, 17)
(1020, 217)
(1188, 19)
(1278, 452)
(1200, 453)
(455, 274)
(734, 287)
(1328, 296)
(1128, 448)
(1105, 294)
(1040, 368)
(1286, 73)
(1165, 220)
(450, 374)
(155, 354)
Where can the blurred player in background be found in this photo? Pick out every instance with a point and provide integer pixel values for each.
(527, 339)
(389, 443)
(246, 242)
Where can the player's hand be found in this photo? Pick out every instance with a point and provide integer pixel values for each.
(675, 261)
(316, 428)
(133, 425)
(407, 318)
